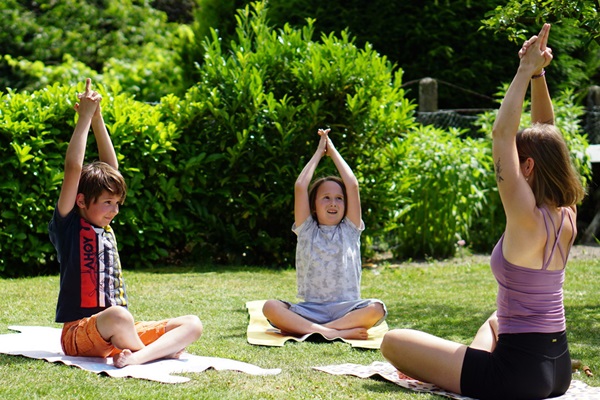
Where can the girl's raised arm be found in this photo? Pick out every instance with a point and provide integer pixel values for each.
(353, 211)
(301, 202)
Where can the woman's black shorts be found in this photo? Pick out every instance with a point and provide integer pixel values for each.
(522, 366)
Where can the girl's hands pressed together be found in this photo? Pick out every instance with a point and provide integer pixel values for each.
(324, 142)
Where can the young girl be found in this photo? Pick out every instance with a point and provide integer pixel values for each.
(521, 351)
(328, 224)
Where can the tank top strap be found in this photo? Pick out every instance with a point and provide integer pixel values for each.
(556, 233)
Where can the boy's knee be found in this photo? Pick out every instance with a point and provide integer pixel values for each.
(195, 325)
(118, 315)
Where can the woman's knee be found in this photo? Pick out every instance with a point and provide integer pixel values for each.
(394, 340)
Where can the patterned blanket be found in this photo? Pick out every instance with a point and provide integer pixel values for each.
(578, 389)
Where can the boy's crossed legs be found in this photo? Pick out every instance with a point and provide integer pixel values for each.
(113, 332)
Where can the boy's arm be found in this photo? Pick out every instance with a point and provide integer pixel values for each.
(301, 201)
(353, 212)
(106, 151)
(88, 102)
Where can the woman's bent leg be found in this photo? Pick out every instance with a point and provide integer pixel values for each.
(425, 357)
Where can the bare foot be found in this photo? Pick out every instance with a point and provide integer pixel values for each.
(176, 355)
(123, 358)
(354, 333)
(286, 333)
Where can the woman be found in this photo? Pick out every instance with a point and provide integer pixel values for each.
(521, 351)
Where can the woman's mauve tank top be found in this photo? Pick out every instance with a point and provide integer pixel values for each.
(531, 300)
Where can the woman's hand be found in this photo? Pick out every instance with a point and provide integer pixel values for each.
(535, 51)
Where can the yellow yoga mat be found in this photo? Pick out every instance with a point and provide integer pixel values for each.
(260, 332)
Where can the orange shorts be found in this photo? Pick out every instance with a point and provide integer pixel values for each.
(81, 337)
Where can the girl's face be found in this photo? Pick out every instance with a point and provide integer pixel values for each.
(329, 203)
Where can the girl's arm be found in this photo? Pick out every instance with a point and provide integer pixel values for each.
(301, 202)
(353, 211)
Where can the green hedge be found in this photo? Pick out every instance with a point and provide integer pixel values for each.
(35, 129)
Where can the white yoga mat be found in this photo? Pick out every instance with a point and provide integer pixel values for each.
(577, 391)
(43, 343)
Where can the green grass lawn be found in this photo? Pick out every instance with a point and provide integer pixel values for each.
(447, 299)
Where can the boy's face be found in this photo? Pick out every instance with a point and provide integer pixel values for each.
(329, 203)
(100, 212)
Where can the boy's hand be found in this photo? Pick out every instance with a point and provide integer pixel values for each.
(89, 101)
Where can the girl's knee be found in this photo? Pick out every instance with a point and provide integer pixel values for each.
(378, 309)
(270, 306)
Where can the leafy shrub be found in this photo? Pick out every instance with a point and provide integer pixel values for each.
(249, 127)
(212, 171)
(28, 188)
(35, 128)
(441, 182)
(127, 36)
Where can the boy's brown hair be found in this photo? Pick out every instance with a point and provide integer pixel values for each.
(97, 177)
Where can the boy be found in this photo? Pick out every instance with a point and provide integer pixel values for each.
(92, 302)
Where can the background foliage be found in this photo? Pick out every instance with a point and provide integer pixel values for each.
(468, 46)
(212, 131)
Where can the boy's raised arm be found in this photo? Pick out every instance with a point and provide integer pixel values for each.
(88, 103)
(106, 151)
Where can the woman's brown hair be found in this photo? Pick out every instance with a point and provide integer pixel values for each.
(555, 179)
